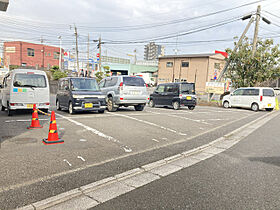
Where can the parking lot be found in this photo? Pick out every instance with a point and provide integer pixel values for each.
(93, 138)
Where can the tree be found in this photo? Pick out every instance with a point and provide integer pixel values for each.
(100, 74)
(247, 71)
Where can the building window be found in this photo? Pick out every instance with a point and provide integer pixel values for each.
(30, 52)
(23, 64)
(185, 64)
(50, 54)
(46, 54)
(217, 66)
(169, 64)
(56, 55)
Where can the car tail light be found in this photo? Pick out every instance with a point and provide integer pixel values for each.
(12, 104)
(121, 98)
(146, 85)
(121, 84)
(47, 103)
(181, 95)
(261, 98)
(148, 99)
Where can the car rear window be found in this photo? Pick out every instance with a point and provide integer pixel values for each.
(133, 81)
(188, 88)
(30, 80)
(268, 92)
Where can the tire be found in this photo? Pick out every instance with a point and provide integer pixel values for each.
(176, 105)
(58, 107)
(70, 108)
(255, 107)
(10, 112)
(2, 107)
(111, 105)
(45, 110)
(268, 109)
(101, 111)
(226, 104)
(191, 107)
(152, 103)
(139, 107)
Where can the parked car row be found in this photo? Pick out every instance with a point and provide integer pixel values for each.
(84, 94)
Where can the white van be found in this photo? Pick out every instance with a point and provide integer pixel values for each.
(22, 88)
(254, 97)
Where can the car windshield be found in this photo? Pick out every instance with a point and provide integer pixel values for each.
(133, 81)
(84, 84)
(188, 88)
(30, 80)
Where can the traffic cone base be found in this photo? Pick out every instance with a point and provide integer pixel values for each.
(47, 142)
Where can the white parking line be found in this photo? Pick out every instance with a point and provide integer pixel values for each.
(80, 157)
(186, 118)
(96, 132)
(155, 140)
(150, 123)
(67, 162)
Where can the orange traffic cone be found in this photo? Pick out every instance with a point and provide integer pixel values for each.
(53, 135)
(35, 119)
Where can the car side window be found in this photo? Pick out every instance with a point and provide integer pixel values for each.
(65, 84)
(160, 89)
(101, 84)
(238, 92)
(114, 81)
(170, 88)
(108, 82)
(60, 85)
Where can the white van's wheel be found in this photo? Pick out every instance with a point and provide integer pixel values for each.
(10, 112)
(226, 104)
(2, 107)
(255, 107)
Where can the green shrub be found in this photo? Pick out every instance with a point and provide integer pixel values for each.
(58, 74)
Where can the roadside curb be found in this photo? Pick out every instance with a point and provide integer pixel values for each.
(132, 179)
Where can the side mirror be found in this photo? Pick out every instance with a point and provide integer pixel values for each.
(66, 88)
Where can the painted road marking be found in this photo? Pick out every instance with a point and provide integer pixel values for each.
(96, 132)
(67, 162)
(45, 178)
(150, 123)
(83, 140)
(155, 140)
(186, 118)
(112, 187)
(80, 157)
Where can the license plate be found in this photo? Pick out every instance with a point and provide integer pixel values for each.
(29, 105)
(134, 92)
(269, 105)
(88, 105)
(189, 98)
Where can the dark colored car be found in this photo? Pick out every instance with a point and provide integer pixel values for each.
(175, 95)
(80, 94)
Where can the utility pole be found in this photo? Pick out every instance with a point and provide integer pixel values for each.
(258, 17)
(60, 52)
(77, 50)
(135, 57)
(99, 46)
(88, 75)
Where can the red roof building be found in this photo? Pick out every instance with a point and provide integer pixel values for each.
(24, 54)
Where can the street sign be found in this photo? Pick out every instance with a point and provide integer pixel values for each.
(97, 55)
(215, 87)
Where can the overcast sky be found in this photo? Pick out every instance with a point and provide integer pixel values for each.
(131, 20)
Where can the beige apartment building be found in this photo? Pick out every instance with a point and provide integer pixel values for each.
(197, 68)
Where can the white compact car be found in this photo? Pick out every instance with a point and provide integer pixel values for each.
(22, 88)
(255, 98)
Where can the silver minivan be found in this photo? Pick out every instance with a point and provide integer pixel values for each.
(124, 91)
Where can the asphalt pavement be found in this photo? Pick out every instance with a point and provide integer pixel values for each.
(101, 145)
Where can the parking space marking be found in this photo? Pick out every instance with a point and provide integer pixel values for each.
(150, 123)
(80, 157)
(155, 140)
(67, 162)
(98, 133)
(186, 118)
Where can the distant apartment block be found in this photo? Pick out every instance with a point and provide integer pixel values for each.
(4, 5)
(153, 51)
(29, 55)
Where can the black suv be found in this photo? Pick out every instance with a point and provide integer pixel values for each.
(80, 94)
(175, 95)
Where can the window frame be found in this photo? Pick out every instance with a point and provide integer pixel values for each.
(169, 62)
(185, 62)
(30, 52)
